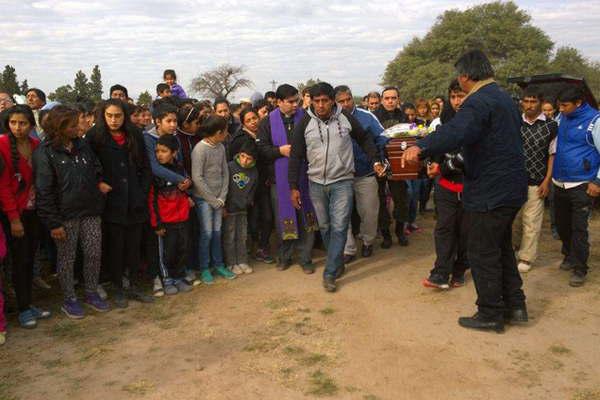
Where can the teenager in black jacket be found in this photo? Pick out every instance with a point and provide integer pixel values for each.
(70, 202)
(120, 149)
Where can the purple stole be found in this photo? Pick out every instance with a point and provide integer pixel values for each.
(288, 223)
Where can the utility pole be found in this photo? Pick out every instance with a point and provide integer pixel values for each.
(273, 84)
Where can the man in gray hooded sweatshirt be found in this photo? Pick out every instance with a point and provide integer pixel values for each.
(324, 140)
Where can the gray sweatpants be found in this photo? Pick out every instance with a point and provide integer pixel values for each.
(88, 232)
(235, 234)
(367, 205)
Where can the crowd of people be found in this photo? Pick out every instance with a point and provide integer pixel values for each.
(183, 191)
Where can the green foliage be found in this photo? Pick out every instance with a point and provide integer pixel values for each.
(24, 87)
(425, 67)
(95, 84)
(64, 94)
(81, 85)
(569, 61)
(8, 81)
(144, 99)
(307, 84)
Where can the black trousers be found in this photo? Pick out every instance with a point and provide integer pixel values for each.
(260, 217)
(22, 252)
(493, 263)
(122, 250)
(174, 248)
(399, 192)
(450, 234)
(572, 209)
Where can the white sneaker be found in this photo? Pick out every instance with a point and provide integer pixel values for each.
(158, 289)
(42, 284)
(126, 283)
(246, 268)
(524, 266)
(2, 338)
(101, 292)
(236, 269)
(192, 279)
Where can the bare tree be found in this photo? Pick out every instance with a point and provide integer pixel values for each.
(220, 81)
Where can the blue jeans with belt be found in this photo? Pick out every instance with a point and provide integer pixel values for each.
(210, 219)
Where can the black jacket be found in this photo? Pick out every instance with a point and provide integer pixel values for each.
(129, 178)
(237, 141)
(488, 128)
(389, 118)
(66, 183)
(267, 152)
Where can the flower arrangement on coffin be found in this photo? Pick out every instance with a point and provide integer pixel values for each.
(403, 130)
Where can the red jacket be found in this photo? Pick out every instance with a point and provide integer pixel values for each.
(167, 204)
(13, 201)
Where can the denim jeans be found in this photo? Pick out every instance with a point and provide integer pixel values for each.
(210, 219)
(414, 194)
(333, 206)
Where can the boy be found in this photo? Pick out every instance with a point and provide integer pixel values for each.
(169, 212)
(243, 176)
(163, 90)
(171, 80)
(165, 121)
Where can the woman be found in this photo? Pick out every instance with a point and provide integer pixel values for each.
(423, 114)
(120, 148)
(248, 130)
(17, 200)
(70, 202)
(434, 109)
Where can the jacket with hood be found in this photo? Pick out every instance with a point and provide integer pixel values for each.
(66, 183)
(327, 147)
(150, 140)
(390, 118)
(187, 141)
(362, 163)
(177, 91)
(166, 203)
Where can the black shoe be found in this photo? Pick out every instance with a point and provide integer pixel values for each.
(348, 258)
(387, 240)
(436, 281)
(566, 265)
(577, 279)
(137, 295)
(367, 251)
(516, 317)
(119, 299)
(308, 268)
(283, 265)
(340, 272)
(403, 240)
(476, 322)
(329, 284)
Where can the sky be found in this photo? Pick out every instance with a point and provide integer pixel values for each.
(339, 41)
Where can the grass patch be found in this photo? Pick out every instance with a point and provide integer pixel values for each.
(286, 372)
(92, 353)
(279, 303)
(587, 394)
(370, 397)
(327, 311)
(313, 359)
(559, 349)
(304, 310)
(322, 384)
(66, 329)
(293, 350)
(261, 346)
(51, 364)
(139, 388)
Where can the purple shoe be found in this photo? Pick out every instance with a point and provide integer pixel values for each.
(72, 308)
(93, 300)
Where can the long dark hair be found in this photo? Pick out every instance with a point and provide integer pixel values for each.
(14, 152)
(57, 121)
(129, 130)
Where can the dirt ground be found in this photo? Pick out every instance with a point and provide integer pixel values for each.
(279, 335)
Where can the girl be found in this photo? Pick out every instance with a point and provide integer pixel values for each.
(434, 109)
(210, 175)
(171, 80)
(17, 200)
(120, 148)
(423, 113)
(70, 202)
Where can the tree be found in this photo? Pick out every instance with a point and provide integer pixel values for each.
(425, 67)
(220, 81)
(568, 60)
(311, 82)
(144, 99)
(24, 87)
(81, 85)
(64, 94)
(95, 85)
(8, 81)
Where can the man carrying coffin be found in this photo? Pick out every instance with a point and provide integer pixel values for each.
(487, 127)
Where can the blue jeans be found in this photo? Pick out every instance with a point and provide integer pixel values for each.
(414, 194)
(333, 206)
(209, 245)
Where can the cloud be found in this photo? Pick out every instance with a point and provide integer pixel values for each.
(344, 41)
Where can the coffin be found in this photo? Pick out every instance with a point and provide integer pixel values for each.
(394, 150)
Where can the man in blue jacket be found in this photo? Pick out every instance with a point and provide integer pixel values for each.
(487, 126)
(576, 178)
(366, 197)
